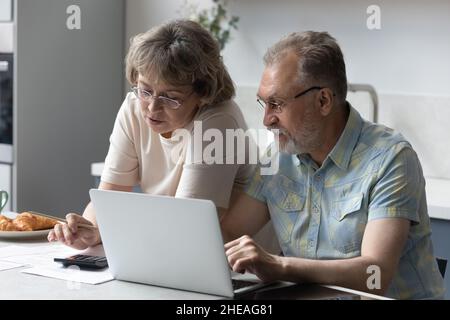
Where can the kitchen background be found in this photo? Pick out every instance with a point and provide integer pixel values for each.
(406, 60)
(69, 84)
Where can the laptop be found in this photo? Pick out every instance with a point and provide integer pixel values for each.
(166, 241)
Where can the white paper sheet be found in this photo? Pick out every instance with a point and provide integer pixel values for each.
(72, 274)
(40, 258)
(36, 255)
(4, 265)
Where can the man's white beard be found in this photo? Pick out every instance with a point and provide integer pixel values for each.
(290, 147)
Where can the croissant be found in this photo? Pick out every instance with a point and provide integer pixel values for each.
(30, 222)
(7, 224)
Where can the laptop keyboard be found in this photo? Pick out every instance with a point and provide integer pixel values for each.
(239, 284)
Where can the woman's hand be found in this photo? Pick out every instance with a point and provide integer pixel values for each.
(72, 235)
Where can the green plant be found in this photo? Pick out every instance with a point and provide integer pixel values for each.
(216, 20)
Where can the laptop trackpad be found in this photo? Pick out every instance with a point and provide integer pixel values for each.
(246, 282)
(246, 276)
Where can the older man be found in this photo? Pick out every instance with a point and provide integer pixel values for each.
(348, 202)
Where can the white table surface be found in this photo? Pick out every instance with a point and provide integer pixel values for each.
(17, 285)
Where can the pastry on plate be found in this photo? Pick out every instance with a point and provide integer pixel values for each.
(30, 222)
(6, 224)
(26, 221)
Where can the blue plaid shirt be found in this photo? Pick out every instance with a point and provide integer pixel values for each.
(321, 213)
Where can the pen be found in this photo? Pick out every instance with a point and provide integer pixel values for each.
(81, 225)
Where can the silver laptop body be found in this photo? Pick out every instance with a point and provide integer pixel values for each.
(164, 241)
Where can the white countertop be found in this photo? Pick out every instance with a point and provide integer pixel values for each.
(438, 198)
(6, 36)
(96, 169)
(437, 190)
(6, 153)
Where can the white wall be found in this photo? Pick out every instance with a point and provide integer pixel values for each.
(5, 10)
(409, 53)
(406, 61)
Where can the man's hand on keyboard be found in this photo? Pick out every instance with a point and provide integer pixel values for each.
(244, 254)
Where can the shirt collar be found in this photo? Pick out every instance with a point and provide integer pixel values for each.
(342, 151)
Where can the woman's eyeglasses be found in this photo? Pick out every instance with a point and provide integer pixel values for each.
(148, 97)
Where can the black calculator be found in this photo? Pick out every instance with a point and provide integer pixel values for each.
(84, 261)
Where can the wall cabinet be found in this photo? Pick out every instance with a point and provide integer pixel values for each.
(440, 235)
(69, 87)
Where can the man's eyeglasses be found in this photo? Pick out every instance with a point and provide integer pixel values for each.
(277, 105)
(148, 97)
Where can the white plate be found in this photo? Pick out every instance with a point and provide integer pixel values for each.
(38, 234)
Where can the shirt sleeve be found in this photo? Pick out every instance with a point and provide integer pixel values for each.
(400, 186)
(121, 163)
(209, 172)
(255, 186)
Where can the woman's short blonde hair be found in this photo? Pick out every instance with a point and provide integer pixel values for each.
(181, 52)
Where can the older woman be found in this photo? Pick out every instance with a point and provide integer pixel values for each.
(178, 78)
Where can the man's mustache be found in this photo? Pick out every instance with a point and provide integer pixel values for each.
(278, 131)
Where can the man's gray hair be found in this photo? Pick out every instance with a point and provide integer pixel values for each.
(181, 52)
(321, 60)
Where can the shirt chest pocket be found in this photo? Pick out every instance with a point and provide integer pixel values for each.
(286, 202)
(347, 224)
